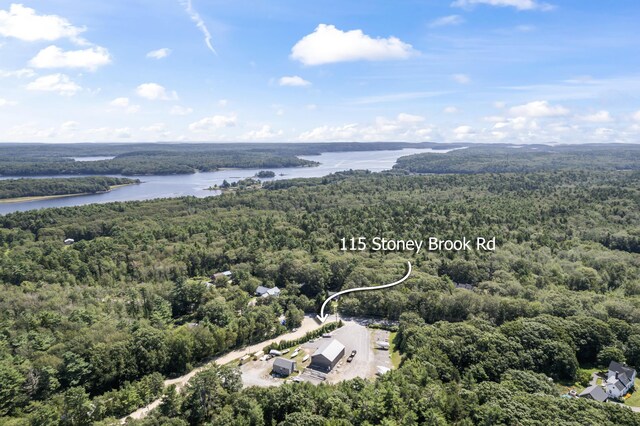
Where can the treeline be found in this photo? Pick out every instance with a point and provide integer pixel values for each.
(147, 163)
(26, 151)
(524, 159)
(130, 298)
(14, 188)
(164, 159)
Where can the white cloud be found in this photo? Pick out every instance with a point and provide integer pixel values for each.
(463, 132)
(263, 133)
(518, 4)
(180, 110)
(154, 128)
(195, 17)
(159, 54)
(538, 109)
(125, 103)
(516, 123)
(123, 133)
(598, 117)
(21, 73)
(102, 134)
(215, 122)
(223, 103)
(395, 97)
(405, 127)
(409, 118)
(604, 131)
(120, 102)
(60, 83)
(312, 107)
(499, 104)
(327, 44)
(636, 116)
(155, 92)
(446, 20)
(450, 110)
(461, 78)
(54, 57)
(4, 102)
(24, 24)
(294, 81)
(69, 126)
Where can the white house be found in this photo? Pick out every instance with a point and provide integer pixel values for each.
(620, 379)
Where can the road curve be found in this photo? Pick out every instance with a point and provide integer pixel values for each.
(309, 323)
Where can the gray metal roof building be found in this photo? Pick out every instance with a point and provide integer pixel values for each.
(327, 355)
(266, 292)
(283, 367)
(594, 392)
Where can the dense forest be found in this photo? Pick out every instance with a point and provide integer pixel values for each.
(15, 188)
(524, 159)
(147, 163)
(163, 159)
(87, 331)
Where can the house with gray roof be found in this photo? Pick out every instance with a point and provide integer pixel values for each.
(328, 354)
(620, 379)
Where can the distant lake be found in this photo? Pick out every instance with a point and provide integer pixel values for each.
(92, 158)
(196, 184)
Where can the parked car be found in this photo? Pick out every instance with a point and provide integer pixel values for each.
(353, 354)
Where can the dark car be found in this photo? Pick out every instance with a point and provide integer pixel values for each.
(353, 353)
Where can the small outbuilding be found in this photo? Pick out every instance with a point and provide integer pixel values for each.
(594, 392)
(328, 354)
(221, 274)
(283, 367)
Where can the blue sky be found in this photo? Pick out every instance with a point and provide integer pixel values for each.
(517, 71)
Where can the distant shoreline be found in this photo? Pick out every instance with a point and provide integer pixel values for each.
(52, 197)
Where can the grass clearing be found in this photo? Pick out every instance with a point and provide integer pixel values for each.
(396, 357)
(634, 400)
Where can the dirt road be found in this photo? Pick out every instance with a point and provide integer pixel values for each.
(308, 324)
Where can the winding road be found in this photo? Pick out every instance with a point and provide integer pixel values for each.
(309, 323)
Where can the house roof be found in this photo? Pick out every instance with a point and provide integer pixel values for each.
(284, 363)
(464, 286)
(330, 349)
(222, 274)
(261, 290)
(595, 392)
(624, 379)
(619, 368)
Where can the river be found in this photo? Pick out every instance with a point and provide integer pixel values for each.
(196, 184)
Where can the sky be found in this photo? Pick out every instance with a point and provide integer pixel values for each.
(490, 71)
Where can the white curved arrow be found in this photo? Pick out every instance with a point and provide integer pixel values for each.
(322, 317)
